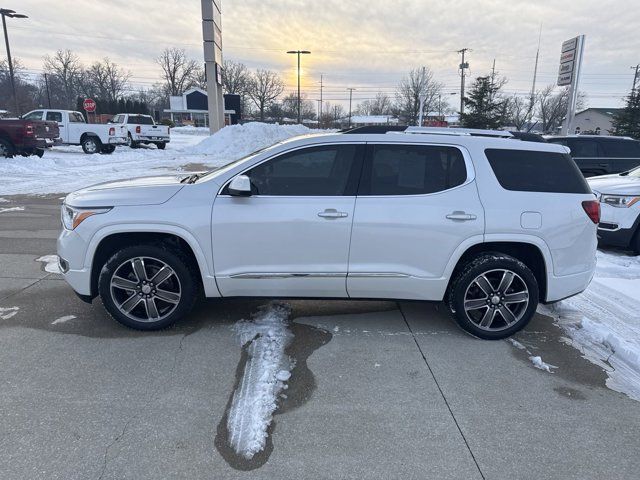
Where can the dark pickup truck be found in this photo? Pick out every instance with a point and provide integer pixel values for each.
(26, 137)
(601, 155)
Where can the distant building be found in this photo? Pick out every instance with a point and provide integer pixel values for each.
(594, 121)
(191, 108)
(363, 120)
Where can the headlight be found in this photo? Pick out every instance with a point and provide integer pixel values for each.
(620, 201)
(72, 217)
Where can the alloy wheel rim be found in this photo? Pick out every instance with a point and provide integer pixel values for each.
(496, 299)
(145, 289)
(91, 145)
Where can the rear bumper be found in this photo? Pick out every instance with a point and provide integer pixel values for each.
(559, 288)
(117, 140)
(144, 138)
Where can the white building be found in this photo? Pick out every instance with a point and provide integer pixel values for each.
(594, 121)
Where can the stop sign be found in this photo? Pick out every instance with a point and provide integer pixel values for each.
(89, 105)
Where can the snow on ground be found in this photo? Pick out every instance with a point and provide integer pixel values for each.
(536, 360)
(7, 312)
(64, 319)
(604, 321)
(67, 168)
(265, 373)
(11, 209)
(51, 263)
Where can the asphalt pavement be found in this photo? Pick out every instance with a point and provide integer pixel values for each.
(381, 390)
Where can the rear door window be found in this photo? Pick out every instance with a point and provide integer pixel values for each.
(535, 171)
(54, 116)
(412, 169)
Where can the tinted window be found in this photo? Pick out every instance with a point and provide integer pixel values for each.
(37, 115)
(531, 171)
(582, 147)
(54, 116)
(621, 148)
(76, 117)
(412, 170)
(313, 171)
(139, 120)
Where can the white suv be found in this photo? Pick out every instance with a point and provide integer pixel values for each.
(491, 225)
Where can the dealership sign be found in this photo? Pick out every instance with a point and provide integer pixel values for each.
(569, 75)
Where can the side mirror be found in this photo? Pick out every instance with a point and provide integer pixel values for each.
(240, 186)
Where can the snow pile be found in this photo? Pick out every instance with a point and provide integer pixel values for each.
(267, 368)
(66, 168)
(538, 363)
(7, 312)
(51, 263)
(604, 321)
(236, 141)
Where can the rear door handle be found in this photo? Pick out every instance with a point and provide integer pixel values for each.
(332, 213)
(461, 216)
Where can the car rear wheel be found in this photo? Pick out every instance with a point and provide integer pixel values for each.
(148, 287)
(91, 144)
(6, 149)
(494, 296)
(131, 143)
(161, 145)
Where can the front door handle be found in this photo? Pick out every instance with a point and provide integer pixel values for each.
(332, 213)
(461, 216)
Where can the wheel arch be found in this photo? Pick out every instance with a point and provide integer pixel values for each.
(531, 254)
(104, 246)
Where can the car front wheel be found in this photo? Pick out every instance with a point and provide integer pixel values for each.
(148, 287)
(494, 296)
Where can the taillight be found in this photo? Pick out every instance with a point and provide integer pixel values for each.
(28, 129)
(138, 129)
(592, 208)
(112, 131)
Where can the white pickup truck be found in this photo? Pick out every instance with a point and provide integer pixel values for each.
(142, 130)
(74, 130)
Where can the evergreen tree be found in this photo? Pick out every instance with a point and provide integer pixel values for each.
(485, 108)
(627, 121)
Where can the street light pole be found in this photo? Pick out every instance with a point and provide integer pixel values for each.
(4, 12)
(299, 52)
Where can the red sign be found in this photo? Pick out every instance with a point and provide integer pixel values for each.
(89, 105)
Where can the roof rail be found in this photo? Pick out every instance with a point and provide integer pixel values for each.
(474, 132)
(375, 129)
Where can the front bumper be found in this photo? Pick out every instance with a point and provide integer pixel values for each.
(618, 225)
(71, 250)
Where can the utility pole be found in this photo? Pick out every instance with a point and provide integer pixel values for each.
(335, 115)
(320, 117)
(351, 89)
(4, 12)
(463, 67)
(319, 111)
(635, 79)
(46, 84)
(299, 52)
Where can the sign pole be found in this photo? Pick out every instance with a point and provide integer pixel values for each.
(212, 45)
(576, 67)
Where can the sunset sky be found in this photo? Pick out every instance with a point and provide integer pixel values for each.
(368, 45)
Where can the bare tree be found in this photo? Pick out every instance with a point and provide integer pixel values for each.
(380, 105)
(419, 82)
(65, 76)
(332, 114)
(106, 80)
(199, 78)
(520, 112)
(552, 107)
(264, 88)
(177, 70)
(235, 78)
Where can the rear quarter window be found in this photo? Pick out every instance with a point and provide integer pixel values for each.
(621, 148)
(535, 171)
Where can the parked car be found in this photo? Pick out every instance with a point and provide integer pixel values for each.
(527, 136)
(26, 137)
(601, 155)
(490, 225)
(142, 129)
(74, 130)
(619, 197)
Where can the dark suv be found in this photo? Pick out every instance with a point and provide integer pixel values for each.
(601, 155)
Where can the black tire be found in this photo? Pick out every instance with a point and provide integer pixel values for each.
(91, 144)
(131, 143)
(108, 149)
(489, 305)
(161, 145)
(39, 152)
(635, 243)
(6, 149)
(185, 283)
